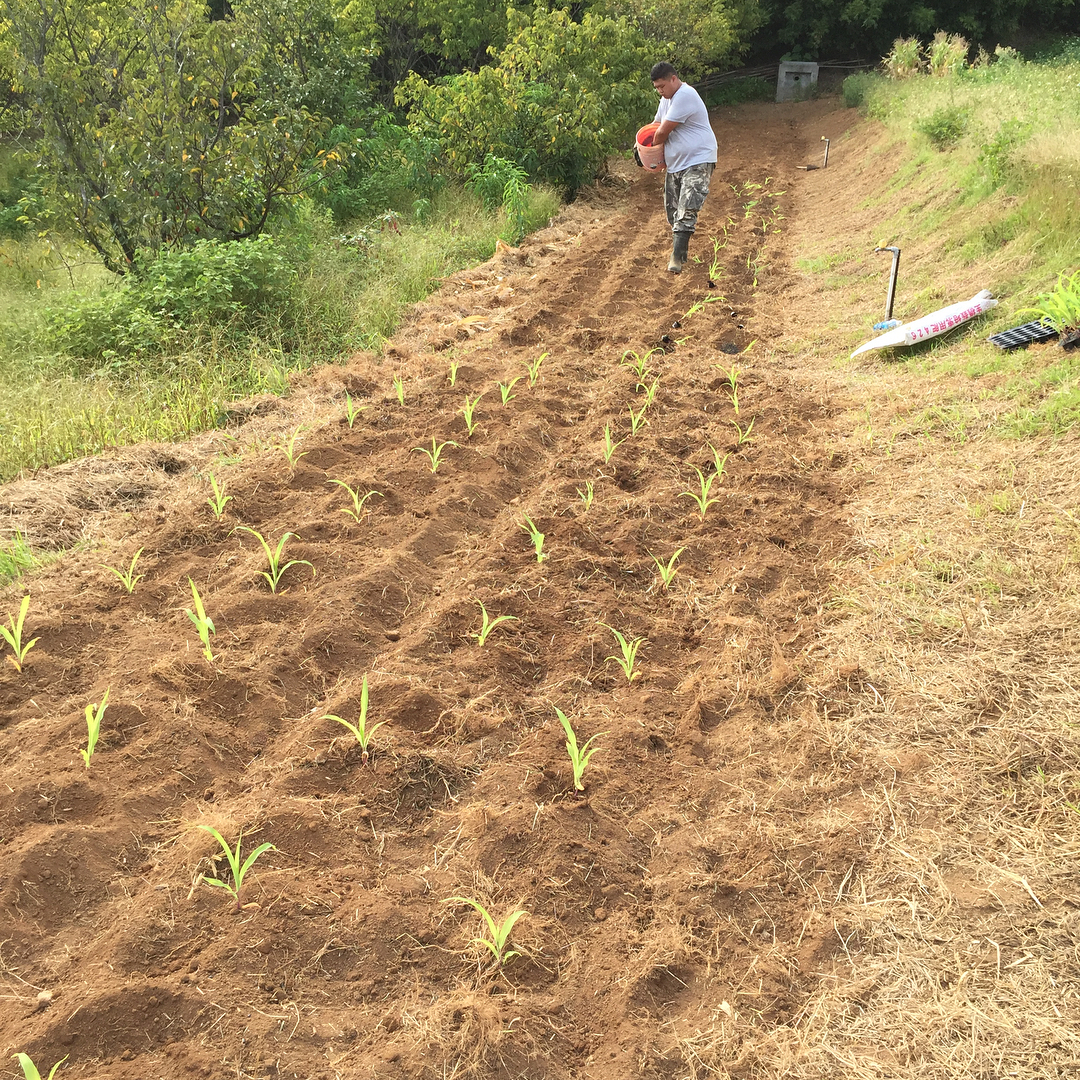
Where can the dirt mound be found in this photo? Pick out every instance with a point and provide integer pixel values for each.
(676, 906)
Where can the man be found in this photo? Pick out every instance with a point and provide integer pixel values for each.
(689, 154)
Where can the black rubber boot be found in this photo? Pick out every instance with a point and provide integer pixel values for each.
(679, 244)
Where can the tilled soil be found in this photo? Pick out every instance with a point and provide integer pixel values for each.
(684, 892)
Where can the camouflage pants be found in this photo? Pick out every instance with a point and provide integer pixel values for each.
(684, 196)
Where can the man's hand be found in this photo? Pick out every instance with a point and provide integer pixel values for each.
(665, 129)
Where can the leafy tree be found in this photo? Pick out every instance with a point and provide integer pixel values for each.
(156, 131)
(560, 96)
(695, 35)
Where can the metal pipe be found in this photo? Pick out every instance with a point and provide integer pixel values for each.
(892, 278)
(825, 163)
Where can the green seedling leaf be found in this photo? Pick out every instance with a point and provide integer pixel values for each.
(637, 419)
(629, 650)
(358, 500)
(12, 634)
(94, 713)
(237, 869)
(454, 365)
(273, 556)
(30, 1071)
(535, 535)
(580, 756)
(534, 368)
(505, 388)
(467, 411)
(352, 411)
(217, 501)
(499, 933)
(719, 461)
(668, 570)
(742, 436)
(586, 496)
(399, 389)
(490, 624)
(702, 499)
(610, 446)
(288, 447)
(436, 451)
(203, 625)
(128, 578)
(360, 730)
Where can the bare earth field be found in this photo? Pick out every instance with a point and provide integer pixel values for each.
(829, 828)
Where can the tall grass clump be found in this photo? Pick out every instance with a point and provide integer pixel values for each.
(87, 361)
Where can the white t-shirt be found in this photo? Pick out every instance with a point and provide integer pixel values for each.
(692, 142)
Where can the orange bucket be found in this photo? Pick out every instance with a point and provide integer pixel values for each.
(652, 157)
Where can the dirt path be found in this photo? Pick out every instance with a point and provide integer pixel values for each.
(676, 912)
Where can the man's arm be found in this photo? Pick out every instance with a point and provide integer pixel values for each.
(665, 129)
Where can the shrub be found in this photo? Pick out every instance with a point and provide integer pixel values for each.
(944, 127)
(995, 156)
(209, 284)
(857, 88)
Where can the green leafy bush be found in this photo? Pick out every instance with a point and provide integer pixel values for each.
(945, 126)
(561, 96)
(211, 284)
(857, 88)
(995, 155)
(947, 54)
(904, 59)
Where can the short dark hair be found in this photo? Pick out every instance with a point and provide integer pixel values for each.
(663, 70)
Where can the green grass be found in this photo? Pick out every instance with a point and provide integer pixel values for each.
(55, 407)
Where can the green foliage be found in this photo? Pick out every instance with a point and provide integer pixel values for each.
(30, 1070)
(1061, 306)
(274, 556)
(360, 730)
(16, 556)
(695, 35)
(736, 91)
(947, 54)
(500, 184)
(499, 933)
(157, 129)
(580, 756)
(127, 578)
(857, 87)
(211, 284)
(904, 59)
(560, 97)
(20, 190)
(996, 154)
(94, 714)
(945, 126)
(12, 634)
(238, 870)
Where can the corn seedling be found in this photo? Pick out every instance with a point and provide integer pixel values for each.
(718, 461)
(506, 388)
(637, 419)
(399, 389)
(454, 365)
(217, 501)
(535, 535)
(94, 713)
(358, 500)
(435, 453)
(712, 298)
(12, 634)
(534, 368)
(288, 448)
(273, 557)
(30, 1071)
(237, 869)
(668, 570)
(490, 624)
(579, 755)
(360, 729)
(703, 501)
(715, 269)
(467, 411)
(499, 932)
(629, 651)
(638, 363)
(650, 391)
(128, 578)
(741, 435)
(352, 411)
(203, 625)
(586, 496)
(610, 446)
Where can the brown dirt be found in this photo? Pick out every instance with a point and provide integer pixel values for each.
(689, 914)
